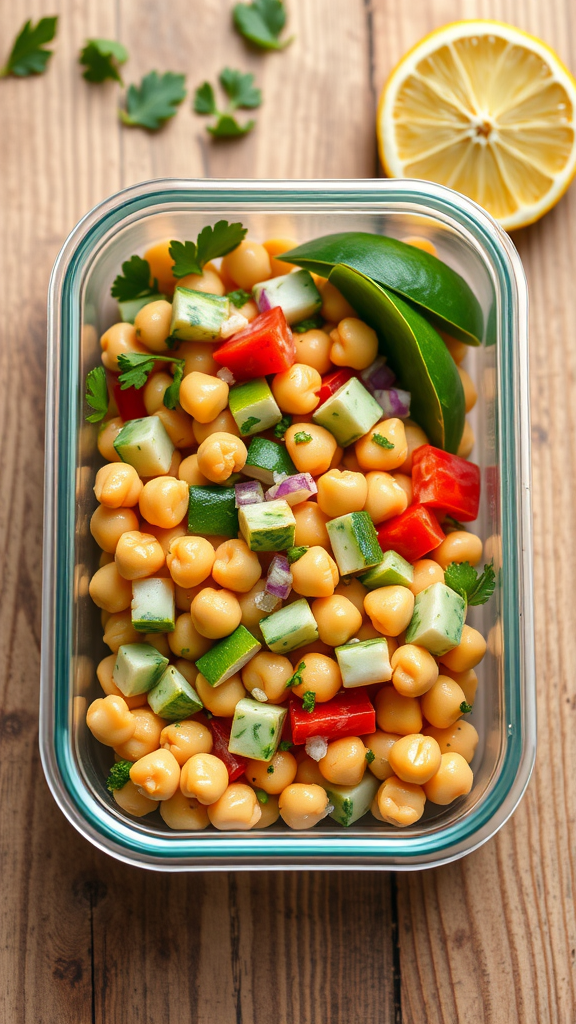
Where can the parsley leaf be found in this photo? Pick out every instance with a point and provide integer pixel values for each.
(463, 578)
(118, 775)
(382, 441)
(191, 257)
(154, 101)
(227, 127)
(97, 393)
(311, 324)
(101, 58)
(270, 769)
(465, 707)
(261, 23)
(281, 428)
(309, 701)
(204, 99)
(240, 89)
(239, 298)
(285, 745)
(293, 554)
(28, 56)
(242, 95)
(302, 437)
(134, 282)
(137, 366)
(172, 393)
(370, 756)
(296, 679)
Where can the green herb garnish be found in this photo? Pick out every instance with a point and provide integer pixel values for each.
(285, 745)
(242, 95)
(137, 366)
(101, 58)
(296, 679)
(281, 428)
(454, 522)
(118, 775)
(97, 394)
(134, 281)
(382, 441)
(239, 298)
(293, 554)
(311, 324)
(246, 427)
(261, 23)
(463, 578)
(154, 101)
(28, 56)
(309, 701)
(370, 756)
(302, 437)
(219, 240)
(270, 769)
(465, 708)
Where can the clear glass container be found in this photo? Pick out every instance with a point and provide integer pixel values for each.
(80, 308)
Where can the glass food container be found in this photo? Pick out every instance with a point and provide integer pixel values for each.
(80, 308)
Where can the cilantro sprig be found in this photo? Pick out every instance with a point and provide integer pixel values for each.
(242, 95)
(137, 366)
(101, 59)
(28, 55)
(281, 428)
(239, 298)
(134, 281)
(261, 23)
(370, 756)
(219, 240)
(302, 437)
(118, 775)
(153, 102)
(97, 394)
(465, 707)
(382, 441)
(296, 679)
(474, 588)
(311, 324)
(309, 701)
(285, 745)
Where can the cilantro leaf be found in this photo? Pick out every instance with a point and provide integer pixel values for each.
(118, 775)
(293, 554)
(137, 366)
(246, 427)
(227, 127)
(134, 282)
(240, 89)
(370, 756)
(302, 437)
(382, 441)
(463, 578)
(296, 679)
(239, 298)
(172, 393)
(101, 58)
(270, 769)
(204, 99)
(28, 56)
(465, 707)
(485, 587)
(285, 745)
(154, 101)
(281, 428)
(261, 23)
(97, 393)
(242, 94)
(311, 324)
(191, 257)
(185, 256)
(309, 701)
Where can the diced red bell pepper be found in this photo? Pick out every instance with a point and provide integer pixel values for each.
(265, 346)
(235, 764)
(412, 534)
(349, 713)
(446, 482)
(130, 403)
(332, 383)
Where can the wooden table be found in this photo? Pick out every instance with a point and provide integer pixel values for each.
(84, 939)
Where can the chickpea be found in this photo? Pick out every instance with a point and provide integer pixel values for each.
(354, 591)
(426, 572)
(400, 803)
(187, 669)
(221, 700)
(215, 613)
(251, 613)
(132, 802)
(105, 559)
(283, 773)
(405, 482)
(470, 392)
(275, 247)
(334, 306)
(390, 609)
(109, 590)
(367, 632)
(309, 773)
(159, 641)
(380, 743)
(220, 455)
(385, 497)
(237, 809)
(458, 546)
(184, 739)
(117, 485)
(236, 567)
(321, 676)
(186, 641)
(152, 325)
(345, 762)
(161, 263)
(190, 560)
(310, 525)
(174, 464)
(178, 426)
(180, 812)
(375, 810)
(120, 339)
(303, 806)
(354, 344)
(415, 758)
(119, 630)
(342, 492)
(457, 349)
(104, 673)
(146, 736)
(315, 574)
(110, 720)
(107, 434)
(396, 713)
(467, 681)
(295, 389)
(154, 391)
(224, 423)
(421, 243)
(371, 455)
(189, 472)
(138, 555)
(337, 618)
(156, 775)
(316, 647)
(270, 810)
(454, 778)
(209, 281)
(204, 777)
(198, 355)
(108, 524)
(460, 738)
(414, 670)
(313, 349)
(467, 441)
(247, 265)
(203, 396)
(415, 438)
(467, 654)
(441, 704)
(313, 456)
(164, 536)
(268, 672)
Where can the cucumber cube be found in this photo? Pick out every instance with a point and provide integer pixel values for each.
(253, 406)
(228, 656)
(256, 729)
(173, 698)
(354, 542)
(198, 316)
(265, 458)
(290, 627)
(349, 413)
(296, 294)
(137, 668)
(268, 525)
(131, 307)
(212, 512)
(392, 570)
(153, 605)
(145, 444)
(352, 802)
(438, 619)
(364, 662)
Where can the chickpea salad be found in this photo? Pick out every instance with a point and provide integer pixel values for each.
(286, 566)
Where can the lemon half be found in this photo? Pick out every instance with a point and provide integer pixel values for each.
(487, 110)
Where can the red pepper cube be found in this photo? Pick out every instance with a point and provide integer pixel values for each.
(332, 383)
(349, 713)
(235, 764)
(130, 403)
(446, 482)
(412, 534)
(265, 346)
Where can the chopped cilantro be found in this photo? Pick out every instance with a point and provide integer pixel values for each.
(100, 58)
(219, 240)
(463, 578)
(270, 769)
(154, 101)
(281, 428)
(285, 745)
(246, 427)
(309, 701)
(97, 394)
(137, 366)
(28, 56)
(242, 95)
(134, 281)
(261, 23)
(370, 756)
(118, 775)
(465, 708)
(296, 679)
(239, 298)
(302, 437)
(293, 554)
(382, 441)
(311, 324)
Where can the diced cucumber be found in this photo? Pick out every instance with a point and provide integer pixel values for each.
(352, 802)
(137, 668)
(354, 542)
(265, 458)
(392, 570)
(296, 294)
(145, 444)
(128, 310)
(212, 511)
(438, 619)
(173, 698)
(256, 729)
(198, 316)
(253, 406)
(228, 656)
(364, 662)
(153, 605)
(290, 627)
(349, 413)
(268, 525)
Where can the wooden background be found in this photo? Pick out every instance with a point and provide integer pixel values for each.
(84, 939)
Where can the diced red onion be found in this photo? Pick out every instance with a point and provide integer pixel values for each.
(264, 302)
(266, 602)
(394, 402)
(249, 492)
(316, 747)
(294, 489)
(226, 375)
(279, 578)
(378, 376)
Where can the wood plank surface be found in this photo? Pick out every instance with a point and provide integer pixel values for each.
(85, 939)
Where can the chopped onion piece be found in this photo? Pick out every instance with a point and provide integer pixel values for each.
(249, 492)
(316, 747)
(279, 578)
(394, 402)
(259, 694)
(279, 477)
(293, 489)
(266, 602)
(378, 376)
(236, 322)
